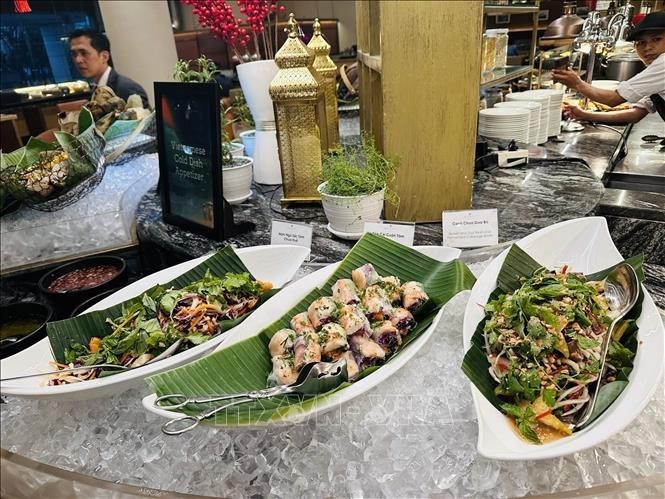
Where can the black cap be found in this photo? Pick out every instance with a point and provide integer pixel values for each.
(651, 22)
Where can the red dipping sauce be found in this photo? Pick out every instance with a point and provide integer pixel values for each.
(87, 277)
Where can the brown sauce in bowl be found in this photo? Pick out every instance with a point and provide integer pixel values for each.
(84, 278)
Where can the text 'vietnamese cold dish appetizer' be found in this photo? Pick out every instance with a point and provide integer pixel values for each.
(543, 342)
(148, 327)
(363, 322)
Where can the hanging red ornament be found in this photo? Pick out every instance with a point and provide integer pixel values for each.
(22, 6)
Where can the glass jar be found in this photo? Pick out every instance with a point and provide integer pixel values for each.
(489, 50)
(501, 48)
(483, 56)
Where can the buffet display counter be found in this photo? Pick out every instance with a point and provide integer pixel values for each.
(414, 435)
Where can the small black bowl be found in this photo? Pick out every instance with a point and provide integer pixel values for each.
(38, 313)
(75, 297)
(91, 301)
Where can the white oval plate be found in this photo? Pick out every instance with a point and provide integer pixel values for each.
(276, 264)
(287, 299)
(586, 246)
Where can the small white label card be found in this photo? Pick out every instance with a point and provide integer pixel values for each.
(470, 228)
(401, 232)
(284, 232)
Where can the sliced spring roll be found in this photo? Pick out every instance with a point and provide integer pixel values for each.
(413, 295)
(376, 303)
(353, 321)
(312, 348)
(391, 285)
(322, 311)
(300, 323)
(365, 347)
(332, 337)
(281, 342)
(344, 291)
(365, 276)
(386, 336)
(365, 351)
(283, 369)
(403, 320)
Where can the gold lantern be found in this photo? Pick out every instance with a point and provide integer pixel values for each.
(325, 66)
(297, 95)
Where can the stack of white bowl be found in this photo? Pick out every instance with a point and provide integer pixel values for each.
(556, 98)
(544, 101)
(504, 123)
(534, 116)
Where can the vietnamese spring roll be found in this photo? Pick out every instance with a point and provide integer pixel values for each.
(344, 291)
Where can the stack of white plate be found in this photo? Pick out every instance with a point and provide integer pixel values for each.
(534, 116)
(556, 98)
(544, 101)
(504, 123)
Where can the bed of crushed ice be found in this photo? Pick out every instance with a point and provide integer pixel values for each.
(104, 219)
(412, 436)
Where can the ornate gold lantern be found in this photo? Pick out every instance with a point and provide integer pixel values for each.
(299, 108)
(325, 66)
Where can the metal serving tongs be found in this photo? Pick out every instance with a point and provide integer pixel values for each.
(313, 378)
(622, 289)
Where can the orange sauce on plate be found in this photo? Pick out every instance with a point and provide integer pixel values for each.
(545, 433)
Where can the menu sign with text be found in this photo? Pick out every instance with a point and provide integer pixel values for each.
(188, 135)
(470, 228)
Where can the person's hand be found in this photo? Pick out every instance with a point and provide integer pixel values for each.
(574, 113)
(568, 77)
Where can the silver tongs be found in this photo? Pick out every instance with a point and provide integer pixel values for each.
(313, 378)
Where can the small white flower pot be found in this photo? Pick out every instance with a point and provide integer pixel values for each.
(347, 214)
(237, 148)
(237, 180)
(248, 139)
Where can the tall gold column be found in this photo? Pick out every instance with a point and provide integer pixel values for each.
(325, 66)
(299, 108)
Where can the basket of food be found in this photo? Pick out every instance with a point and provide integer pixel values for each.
(118, 120)
(49, 176)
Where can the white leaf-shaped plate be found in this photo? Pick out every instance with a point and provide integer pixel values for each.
(275, 308)
(276, 264)
(586, 246)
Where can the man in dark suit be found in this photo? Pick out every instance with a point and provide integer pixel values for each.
(91, 51)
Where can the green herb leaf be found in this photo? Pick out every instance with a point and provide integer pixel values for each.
(619, 355)
(549, 397)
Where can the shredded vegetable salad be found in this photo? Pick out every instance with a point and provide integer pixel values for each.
(149, 326)
(543, 344)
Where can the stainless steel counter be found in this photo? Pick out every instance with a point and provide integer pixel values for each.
(644, 163)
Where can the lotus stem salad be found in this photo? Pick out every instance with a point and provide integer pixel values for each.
(543, 343)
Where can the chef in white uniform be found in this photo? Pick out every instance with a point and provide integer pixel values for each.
(646, 90)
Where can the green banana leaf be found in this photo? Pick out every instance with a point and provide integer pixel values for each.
(245, 365)
(517, 265)
(80, 329)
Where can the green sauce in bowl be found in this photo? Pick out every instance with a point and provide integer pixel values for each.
(17, 327)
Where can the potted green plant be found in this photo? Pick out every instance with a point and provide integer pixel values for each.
(355, 186)
(236, 173)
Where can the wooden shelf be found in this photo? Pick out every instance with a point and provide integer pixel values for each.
(503, 75)
(525, 29)
(493, 10)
